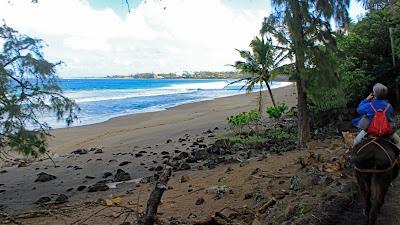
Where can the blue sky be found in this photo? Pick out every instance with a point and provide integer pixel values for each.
(100, 37)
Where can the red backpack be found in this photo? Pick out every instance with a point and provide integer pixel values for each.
(380, 125)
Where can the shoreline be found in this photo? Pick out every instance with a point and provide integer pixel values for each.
(137, 144)
(67, 139)
(286, 84)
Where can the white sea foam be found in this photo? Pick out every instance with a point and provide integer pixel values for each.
(198, 86)
(117, 94)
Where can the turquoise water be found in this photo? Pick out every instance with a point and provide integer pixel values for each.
(102, 99)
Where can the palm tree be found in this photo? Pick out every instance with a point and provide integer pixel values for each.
(260, 64)
(305, 28)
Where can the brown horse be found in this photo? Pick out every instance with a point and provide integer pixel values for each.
(375, 165)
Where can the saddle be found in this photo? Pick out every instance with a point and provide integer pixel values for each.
(375, 140)
(386, 138)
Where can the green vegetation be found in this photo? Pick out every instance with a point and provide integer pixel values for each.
(259, 64)
(249, 139)
(364, 57)
(244, 120)
(303, 27)
(28, 88)
(277, 111)
(270, 135)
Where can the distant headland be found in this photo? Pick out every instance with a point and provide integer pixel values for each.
(185, 75)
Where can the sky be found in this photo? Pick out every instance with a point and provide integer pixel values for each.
(105, 37)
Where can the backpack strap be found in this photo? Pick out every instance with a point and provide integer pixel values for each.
(387, 107)
(372, 106)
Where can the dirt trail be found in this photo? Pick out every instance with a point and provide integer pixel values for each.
(390, 212)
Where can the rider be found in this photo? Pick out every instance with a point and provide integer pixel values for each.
(377, 99)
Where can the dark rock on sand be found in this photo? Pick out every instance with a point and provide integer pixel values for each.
(200, 154)
(99, 186)
(61, 199)
(208, 132)
(44, 177)
(137, 155)
(184, 166)
(182, 155)
(89, 177)
(248, 195)
(159, 168)
(98, 151)
(164, 153)
(200, 201)
(3, 171)
(2, 191)
(42, 200)
(125, 163)
(22, 164)
(107, 174)
(77, 168)
(121, 175)
(169, 141)
(70, 189)
(191, 159)
(80, 151)
(81, 188)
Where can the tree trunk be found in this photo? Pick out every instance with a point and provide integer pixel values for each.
(260, 100)
(270, 94)
(299, 47)
(303, 121)
(155, 198)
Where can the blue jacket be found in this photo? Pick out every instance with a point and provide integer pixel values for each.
(364, 109)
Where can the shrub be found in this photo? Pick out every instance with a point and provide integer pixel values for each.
(279, 134)
(243, 119)
(277, 111)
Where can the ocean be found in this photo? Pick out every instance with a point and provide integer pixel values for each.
(102, 99)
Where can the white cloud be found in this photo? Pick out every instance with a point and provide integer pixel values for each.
(158, 36)
(185, 35)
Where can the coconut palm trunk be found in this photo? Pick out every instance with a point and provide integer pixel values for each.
(271, 95)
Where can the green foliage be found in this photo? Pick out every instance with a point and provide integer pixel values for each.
(364, 58)
(277, 111)
(28, 89)
(280, 134)
(249, 139)
(261, 64)
(243, 119)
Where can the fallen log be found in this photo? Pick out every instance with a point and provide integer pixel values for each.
(155, 198)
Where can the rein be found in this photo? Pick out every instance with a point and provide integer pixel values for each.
(392, 163)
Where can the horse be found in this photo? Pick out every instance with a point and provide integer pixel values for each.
(375, 162)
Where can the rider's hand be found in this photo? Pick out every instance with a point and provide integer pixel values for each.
(370, 96)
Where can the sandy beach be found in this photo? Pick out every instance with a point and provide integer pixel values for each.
(125, 132)
(135, 143)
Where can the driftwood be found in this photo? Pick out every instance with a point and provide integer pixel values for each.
(155, 198)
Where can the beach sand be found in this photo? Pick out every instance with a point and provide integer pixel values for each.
(125, 132)
(138, 141)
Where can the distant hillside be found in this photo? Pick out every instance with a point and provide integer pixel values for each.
(185, 75)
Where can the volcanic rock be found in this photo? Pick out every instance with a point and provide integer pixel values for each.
(99, 186)
(44, 177)
(80, 151)
(121, 175)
